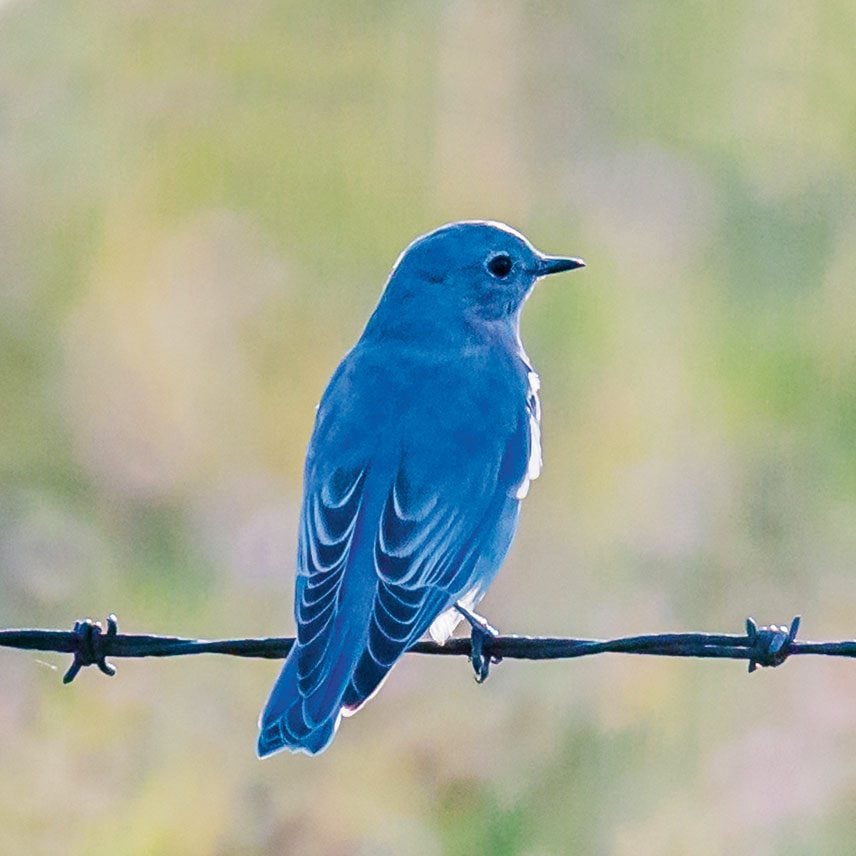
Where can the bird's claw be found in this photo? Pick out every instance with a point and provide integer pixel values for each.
(481, 634)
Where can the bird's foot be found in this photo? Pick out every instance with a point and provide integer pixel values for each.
(481, 632)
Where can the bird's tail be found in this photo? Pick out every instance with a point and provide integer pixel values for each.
(303, 713)
(285, 722)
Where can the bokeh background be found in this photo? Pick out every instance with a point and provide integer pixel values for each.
(199, 203)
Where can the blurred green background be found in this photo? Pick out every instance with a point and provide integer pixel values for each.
(199, 203)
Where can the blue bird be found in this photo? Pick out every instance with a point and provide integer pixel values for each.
(424, 445)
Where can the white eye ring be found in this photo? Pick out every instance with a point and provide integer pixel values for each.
(499, 265)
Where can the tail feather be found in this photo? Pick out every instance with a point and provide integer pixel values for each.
(307, 721)
(303, 715)
(284, 723)
(277, 736)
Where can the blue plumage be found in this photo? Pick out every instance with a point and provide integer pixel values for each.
(424, 444)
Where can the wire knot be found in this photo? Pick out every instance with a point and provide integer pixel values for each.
(89, 647)
(770, 645)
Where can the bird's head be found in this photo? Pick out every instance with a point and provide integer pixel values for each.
(469, 270)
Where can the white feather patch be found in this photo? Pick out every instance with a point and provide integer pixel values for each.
(445, 623)
(533, 404)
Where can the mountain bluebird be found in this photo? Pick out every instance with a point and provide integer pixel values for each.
(425, 442)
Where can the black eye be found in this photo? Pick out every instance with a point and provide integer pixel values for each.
(499, 265)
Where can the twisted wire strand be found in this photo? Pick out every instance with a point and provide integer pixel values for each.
(91, 644)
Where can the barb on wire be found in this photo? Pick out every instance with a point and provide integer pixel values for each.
(90, 644)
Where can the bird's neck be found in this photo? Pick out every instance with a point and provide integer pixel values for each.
(420, 327)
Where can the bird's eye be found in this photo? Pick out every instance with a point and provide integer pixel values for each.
(499, 265)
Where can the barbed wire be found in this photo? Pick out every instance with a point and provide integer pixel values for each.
(91, 644)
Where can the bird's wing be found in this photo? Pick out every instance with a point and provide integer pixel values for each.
(329, 520)
(431, 545)
(423, 541)
(395, 530)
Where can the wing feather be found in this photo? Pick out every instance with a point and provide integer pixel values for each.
(326, 536)
(441, 528)
(426, 561)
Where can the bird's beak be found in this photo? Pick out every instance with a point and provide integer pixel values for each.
(556, 264)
